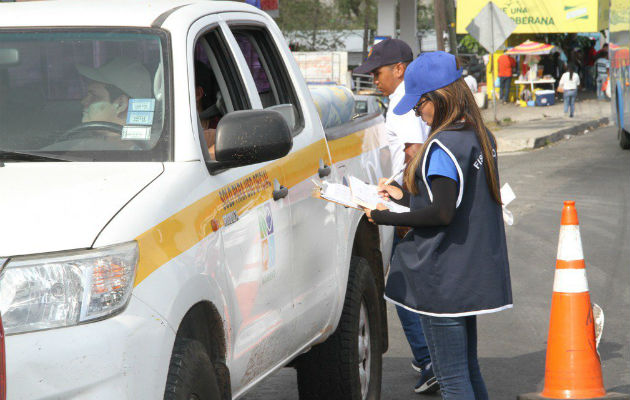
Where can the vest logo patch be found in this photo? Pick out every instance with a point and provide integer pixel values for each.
(479, 161)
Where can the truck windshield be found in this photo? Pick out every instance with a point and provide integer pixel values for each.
(84, 95)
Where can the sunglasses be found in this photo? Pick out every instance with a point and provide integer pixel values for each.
(417, 107)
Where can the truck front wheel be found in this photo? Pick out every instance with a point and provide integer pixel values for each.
(348, 364)
(624, 139)
(191, 375)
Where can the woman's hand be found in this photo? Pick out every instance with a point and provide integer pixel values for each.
(368, 212)
(387, 191)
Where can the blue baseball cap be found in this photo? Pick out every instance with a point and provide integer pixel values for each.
(428, 72)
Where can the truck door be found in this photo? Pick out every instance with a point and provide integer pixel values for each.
(255, 225)
(313, 221)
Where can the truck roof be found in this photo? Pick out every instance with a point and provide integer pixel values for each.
(132, 13)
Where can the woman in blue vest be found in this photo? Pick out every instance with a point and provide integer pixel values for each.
(453, 264)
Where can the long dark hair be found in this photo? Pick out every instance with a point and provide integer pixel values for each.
(571, 69)
(454, 103)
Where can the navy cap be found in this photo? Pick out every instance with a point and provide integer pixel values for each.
(428, 72)
(387, 52)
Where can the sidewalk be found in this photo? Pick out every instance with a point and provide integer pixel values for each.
(524, 128)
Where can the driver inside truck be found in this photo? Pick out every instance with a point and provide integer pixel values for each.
(209, 105)
(109, 88)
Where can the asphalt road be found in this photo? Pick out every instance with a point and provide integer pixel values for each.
(590, 169)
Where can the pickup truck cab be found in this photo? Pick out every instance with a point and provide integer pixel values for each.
(160, 238)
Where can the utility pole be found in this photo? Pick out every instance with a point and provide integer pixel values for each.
(366, 29)
(439, 19)
(450, 21)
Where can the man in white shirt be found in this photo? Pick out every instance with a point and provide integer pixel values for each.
(470, 81)
(405, 133)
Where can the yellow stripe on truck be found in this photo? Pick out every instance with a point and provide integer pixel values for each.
(189, 226)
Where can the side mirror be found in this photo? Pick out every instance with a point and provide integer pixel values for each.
(250, 137)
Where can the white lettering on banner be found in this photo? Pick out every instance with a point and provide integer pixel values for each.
(570, 243)
(570, 281)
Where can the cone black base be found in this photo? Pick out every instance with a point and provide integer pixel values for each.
(609, 396)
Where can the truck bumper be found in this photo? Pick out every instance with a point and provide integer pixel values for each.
(123, 357)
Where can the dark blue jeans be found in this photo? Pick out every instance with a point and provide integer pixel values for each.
(504, 91)
(453, 346)
(410, 322)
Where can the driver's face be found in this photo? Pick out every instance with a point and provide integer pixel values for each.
(97, 105)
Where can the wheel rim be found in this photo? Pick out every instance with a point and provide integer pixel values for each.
(365, 355)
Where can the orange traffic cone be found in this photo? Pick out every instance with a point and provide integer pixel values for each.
(573, 369)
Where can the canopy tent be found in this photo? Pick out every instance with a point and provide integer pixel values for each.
(531, 48)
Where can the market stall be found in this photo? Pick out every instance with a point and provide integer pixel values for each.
(534, 76)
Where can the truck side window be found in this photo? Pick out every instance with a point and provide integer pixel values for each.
(218, 88)
(270, 75)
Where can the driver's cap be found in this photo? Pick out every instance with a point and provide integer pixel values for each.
(125, 73)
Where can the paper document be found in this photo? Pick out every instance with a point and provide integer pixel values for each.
(358, 195)
(363, 194)
(507, 196)
(338, 193)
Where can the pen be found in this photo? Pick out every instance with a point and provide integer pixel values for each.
(391, 179)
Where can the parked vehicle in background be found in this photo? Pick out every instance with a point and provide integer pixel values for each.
(619, 55)
(366, 104)
(160, 238)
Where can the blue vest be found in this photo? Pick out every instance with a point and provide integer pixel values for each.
(460, 269)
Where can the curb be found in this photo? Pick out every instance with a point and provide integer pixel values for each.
(572, 131)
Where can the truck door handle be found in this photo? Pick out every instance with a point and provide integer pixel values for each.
(324, 170)
(279, 191)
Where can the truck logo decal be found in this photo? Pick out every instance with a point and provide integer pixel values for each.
(244, 189)
(268, 245)
(230, 218)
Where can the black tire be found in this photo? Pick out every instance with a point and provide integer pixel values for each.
(624, 139)
(622, 134)
(191, 375)
(331, 370)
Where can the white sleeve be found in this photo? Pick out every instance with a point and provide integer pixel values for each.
(408, 127)
(577, 79)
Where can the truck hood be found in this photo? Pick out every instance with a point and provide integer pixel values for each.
(48, 207)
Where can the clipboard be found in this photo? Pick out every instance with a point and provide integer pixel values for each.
(317, 193)
(344, 196)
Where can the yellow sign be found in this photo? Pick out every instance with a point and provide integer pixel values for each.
(542, 16)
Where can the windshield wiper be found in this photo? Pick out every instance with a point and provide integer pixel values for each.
(11, 155)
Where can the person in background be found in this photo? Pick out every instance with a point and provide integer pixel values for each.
(405, 133)
(570, 81)
(470, 81)
(506, 64)
(558, 66)
(453, 265)
(589, 65)
(603, 52)
(601, 70)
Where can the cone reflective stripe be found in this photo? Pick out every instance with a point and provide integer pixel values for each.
(572, 367)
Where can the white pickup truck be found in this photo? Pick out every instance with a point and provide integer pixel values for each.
(159, 237)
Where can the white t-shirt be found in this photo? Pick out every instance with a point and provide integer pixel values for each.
(402, 129)
(471, 82)
(570, 83)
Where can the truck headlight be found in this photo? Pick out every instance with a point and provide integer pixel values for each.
(67, 288)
